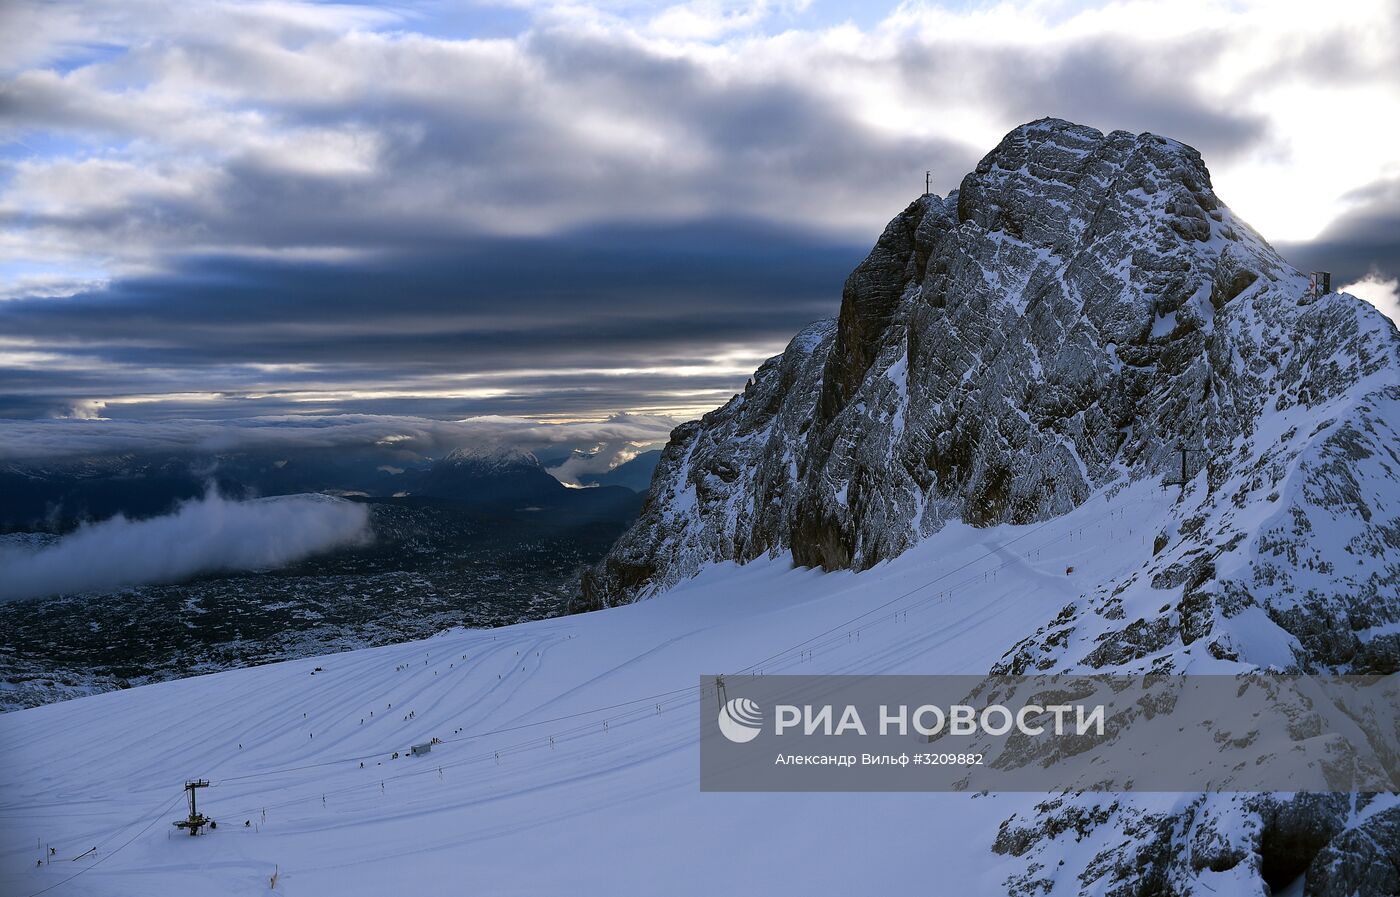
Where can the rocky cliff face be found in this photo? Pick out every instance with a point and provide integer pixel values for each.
(1078, 308)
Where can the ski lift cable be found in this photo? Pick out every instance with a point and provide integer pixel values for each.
(537, 743)
(541, 742)
(685, 690)
(650, 699)
(155, 817)
(104, 841)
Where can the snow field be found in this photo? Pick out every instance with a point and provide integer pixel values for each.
(612, 806)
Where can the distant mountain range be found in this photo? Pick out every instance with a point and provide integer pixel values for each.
(57, 497)
(634, 474)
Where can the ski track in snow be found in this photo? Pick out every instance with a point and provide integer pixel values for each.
(615, 811)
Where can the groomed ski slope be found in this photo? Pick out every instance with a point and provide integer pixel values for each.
(612, 807)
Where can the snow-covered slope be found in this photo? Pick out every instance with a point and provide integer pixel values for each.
(612, 805)
(615, 811)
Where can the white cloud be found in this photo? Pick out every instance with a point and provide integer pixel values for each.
(1383, 294)
(599, 458)
(205, 535)
(222, 117)
(706, 20)
(90, 409)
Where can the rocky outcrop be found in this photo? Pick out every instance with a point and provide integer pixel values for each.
(1364, 859)
(727, 485)
(1078, 308)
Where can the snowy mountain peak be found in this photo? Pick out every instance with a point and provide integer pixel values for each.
(490, 457)
(1079, 309)
(491, 474)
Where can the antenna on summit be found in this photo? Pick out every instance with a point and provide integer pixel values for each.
(928, 182)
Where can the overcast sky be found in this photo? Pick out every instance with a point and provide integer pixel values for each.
(560, 210)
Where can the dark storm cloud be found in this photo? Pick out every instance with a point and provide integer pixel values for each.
(1365, 240)
(551, 317)
(398, 436)
(425, 294)
(621, 286)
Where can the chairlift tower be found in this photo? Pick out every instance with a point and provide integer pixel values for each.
(196, 820)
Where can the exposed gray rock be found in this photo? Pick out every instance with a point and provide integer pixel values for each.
(726, 485)
(1361, 860)
(1079, 306)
